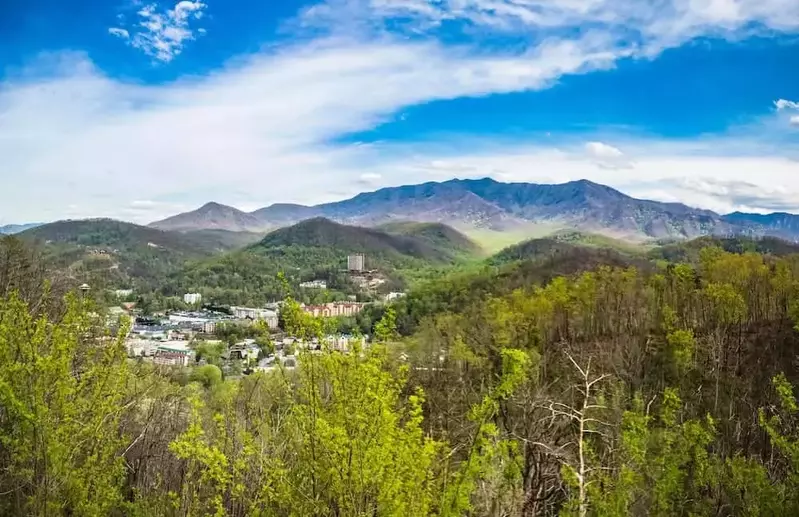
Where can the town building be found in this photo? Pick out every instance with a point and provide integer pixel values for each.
(333, 309)
(152, 332)
(267, 315)
(289, 362)
(192, 298)
(314, 284)
(193, 322)
(390, 297)
(343, 342)
(141, 347)
(367, 280)
(356, 262)
(173, 353)
(246, 350)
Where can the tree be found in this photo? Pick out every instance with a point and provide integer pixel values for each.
(208, 375)
(63, 393)
(386, 328)
(209, 351)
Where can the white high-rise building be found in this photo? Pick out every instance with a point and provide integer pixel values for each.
(192, 298)
(356, 262)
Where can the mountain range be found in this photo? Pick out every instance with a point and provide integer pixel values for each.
(492, 205)
(11, 229)
(105, 252)
(486, 204)
(119, 251)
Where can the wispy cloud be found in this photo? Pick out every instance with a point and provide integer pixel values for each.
(162, 33)
(782, 104)
(120, 33)
(738, 194)
(642, 27)
(602, 150)
(607, 156)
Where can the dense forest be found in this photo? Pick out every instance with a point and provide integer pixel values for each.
(581, 382)
(240, 268)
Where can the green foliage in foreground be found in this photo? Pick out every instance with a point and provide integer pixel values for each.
(649, 395)
(85, 432)
(608, 392)
(63, 395)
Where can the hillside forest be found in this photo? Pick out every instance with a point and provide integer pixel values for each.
(239, 268)
(576, 382)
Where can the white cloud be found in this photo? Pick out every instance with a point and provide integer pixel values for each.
(644, 27)
(263, 125)
(121, 33)
(607, 156)
(786, 105)
(603, 151)
(268, 128)
(162, 34)
(783, 104)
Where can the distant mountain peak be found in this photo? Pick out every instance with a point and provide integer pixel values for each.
(213, 205)
(211, 216)
(10, 229)
(287, 205)
(490, 204)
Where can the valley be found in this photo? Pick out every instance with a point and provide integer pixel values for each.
(416, 327)
(409, 234)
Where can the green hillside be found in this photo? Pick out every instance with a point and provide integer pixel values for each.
(531, 249)
(323, 233)
(599, 241)
(688, 251)
(522, 266)
(317, 249)
(116, 254)
(564, 241)
(445, 238)
(223, 240)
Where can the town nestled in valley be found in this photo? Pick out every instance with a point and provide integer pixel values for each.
(546, 349)
(203, 286)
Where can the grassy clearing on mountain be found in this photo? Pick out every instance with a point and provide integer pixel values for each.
(493, 241)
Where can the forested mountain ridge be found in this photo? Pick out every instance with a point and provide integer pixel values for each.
(777, 224)
(689, 251)
(498, 205)
(489, 204)
(411, 242)
(317, 249)
(239, 267)
(110, 232)
(119, 254)
(445, 238)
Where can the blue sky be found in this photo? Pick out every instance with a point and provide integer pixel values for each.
(137, 110)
